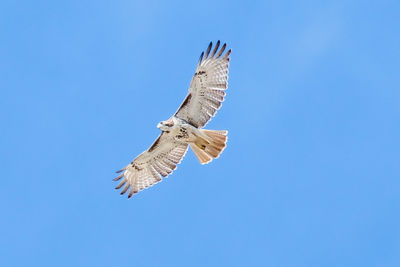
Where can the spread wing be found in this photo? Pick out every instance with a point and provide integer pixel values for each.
(206, 92)
(159, 160)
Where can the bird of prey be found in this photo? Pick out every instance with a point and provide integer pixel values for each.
(184, 128)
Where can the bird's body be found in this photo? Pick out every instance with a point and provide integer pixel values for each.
(183, 129)
(180, 130)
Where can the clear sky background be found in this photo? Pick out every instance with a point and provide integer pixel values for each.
(311, 174)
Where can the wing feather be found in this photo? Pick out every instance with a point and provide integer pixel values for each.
(208, 50)
(146, 170)
(215, 49)
(206, 91)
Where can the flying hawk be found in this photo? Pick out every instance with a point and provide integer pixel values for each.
(184, 128)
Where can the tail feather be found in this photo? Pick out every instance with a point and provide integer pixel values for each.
(207, 150)
(200, 154)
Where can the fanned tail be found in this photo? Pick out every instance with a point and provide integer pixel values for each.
(208, 149)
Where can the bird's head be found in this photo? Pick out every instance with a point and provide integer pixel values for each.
(166, 126)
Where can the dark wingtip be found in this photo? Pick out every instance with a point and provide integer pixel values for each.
(221, 50)
(119, 177)
(121, 170)
(201, 57)
(208, 50)
(215, 49)
(228, 53)
(121, 184)
(125, 189)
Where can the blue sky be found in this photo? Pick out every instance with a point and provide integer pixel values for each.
(311, 173)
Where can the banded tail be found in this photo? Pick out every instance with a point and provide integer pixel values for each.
(210, 146)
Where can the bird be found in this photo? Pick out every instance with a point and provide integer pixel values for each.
(185, 127)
